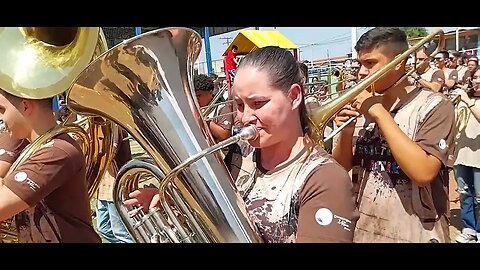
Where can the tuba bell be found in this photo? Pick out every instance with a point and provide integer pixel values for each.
(148, 83)
(42, 62)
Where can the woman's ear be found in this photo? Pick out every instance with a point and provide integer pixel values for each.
(296, 95)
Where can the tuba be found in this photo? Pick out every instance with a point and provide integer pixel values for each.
(148, 83)
(41, 63)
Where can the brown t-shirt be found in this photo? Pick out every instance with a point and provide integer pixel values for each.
(392, 207)
(434, 74)
(122, 154)
(226, 118)
(52, 182)
(10, 148)
(308, 199)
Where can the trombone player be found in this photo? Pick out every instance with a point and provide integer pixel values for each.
(399, 150)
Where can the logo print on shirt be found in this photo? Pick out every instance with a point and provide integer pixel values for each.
(324, 216)
(442, 144)
(20, 176)
(23, 177)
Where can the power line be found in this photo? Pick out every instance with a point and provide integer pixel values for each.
(229, 40)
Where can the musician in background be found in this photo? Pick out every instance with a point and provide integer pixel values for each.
(427, 76)
(450, 74)
(109, 224)
(47, 193)
(456, 62)
(399, 151)
(472, 68)
(312, 102)
(467, 163)
(470, 97)
(352, 78)
(218, 120)
(293, 190)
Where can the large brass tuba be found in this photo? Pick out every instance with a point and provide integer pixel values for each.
(40, 63)
(323, 115)
(147, 83)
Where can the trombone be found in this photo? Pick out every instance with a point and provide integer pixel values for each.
(207, 109)
(321, 116)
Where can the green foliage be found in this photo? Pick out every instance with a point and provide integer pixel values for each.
(414, 32)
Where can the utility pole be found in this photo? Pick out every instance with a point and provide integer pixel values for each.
(457, 40)
(354, 41)
(208, 55)
(329, 74)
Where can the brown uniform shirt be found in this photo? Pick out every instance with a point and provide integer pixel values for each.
(392, 207)
(451, 74)
(309, 199)
(434, 74)
(225, 119)
(52, 182)
(122, 154)
(10, 148)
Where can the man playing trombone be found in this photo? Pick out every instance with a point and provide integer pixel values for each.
(399, 150)
(220, 118)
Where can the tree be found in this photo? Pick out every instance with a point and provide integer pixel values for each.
(414, 32)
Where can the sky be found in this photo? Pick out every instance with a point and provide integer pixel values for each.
(314, 42)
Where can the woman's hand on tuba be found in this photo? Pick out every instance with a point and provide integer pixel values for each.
(147, 197)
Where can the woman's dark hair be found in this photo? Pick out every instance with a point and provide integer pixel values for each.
(283, 71)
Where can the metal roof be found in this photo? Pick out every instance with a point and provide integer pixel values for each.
(249, 40)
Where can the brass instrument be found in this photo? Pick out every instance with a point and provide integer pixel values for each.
(213, 103)
(324, 114)
(148, 83)
(462, 112)
(40, 63)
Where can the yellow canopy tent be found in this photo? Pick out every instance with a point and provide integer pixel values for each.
(249, 40)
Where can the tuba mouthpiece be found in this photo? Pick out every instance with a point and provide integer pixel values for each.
(249, 132)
